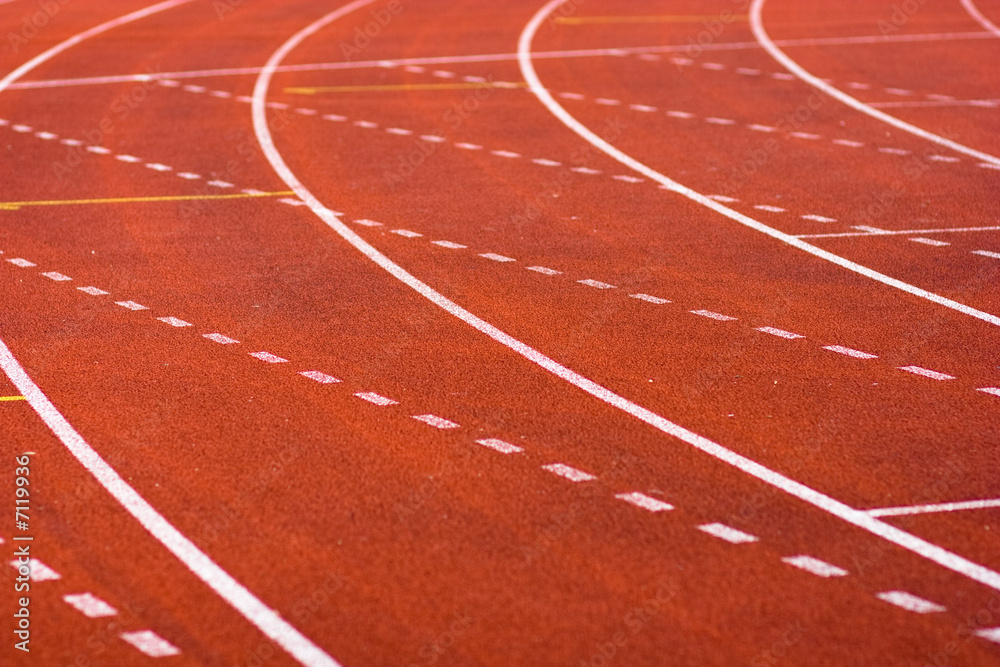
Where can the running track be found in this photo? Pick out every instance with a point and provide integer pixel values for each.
(582, 333)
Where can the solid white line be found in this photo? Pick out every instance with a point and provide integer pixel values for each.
(757, 25)
(910, 602)
(939, 507)
(887, 232)
(974, 12)
(815, 566)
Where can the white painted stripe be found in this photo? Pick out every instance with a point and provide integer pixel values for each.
(435, 421)
(898, 91)
(987, 165)
(544, 270)
(306, 112)
(815, 566)
(37, 570)
(90, 605)
(804, 135)
(71, 142)
(220, 184)
(56, 276)
(761, 128)
(48, 136)
(220, 339)
(93, 291)
(939, 507)
(571, 96)
(174, 322)
(443, 74)
(644, 501)
(987, 253)
(769, 208)
(781, 76)
(714, 66)
(367, 124)
(724, 532)
(131, 305)
(909, 602)
(932, 242)
(322, 378)
(893, 151)
(712, 315)
(818, 218)
(748, 71)
(499, 445)
(100, 150)
(876, 231)
(973, 11)
(252, 191)
(723, 198)
(648, 297)
(990, 390)
(407, 233)
(187, 175)
(169, 83)
(720, 121)
(449, 244)
(433, 138)
(943, 158)
(22, 128)
(497, 258)
(642, 107)
(625, 178)
(224, 94)
(128, 158)
(991, 634)
(399, 131)
(367, 223)
(377, 399)
(509, 154)
(849, 143)
(934, 375)
(156, 166)
(192, 88)
(150, 643)
(278, 105)
(680, 114)
(595, 283)
(467, 146)
(858, 86)
(607, 102)
(569, 472)
(585, 170)
(268, 357)
(415, 69)
(335, 117)
(857, 354)
(781, 333)
(547, 163)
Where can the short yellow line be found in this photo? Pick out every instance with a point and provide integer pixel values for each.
(402, 86)
(581, 20)
(12, 398)
(14, 205)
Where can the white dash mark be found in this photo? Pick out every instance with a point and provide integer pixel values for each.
(224, 94)
(571, 96)
(781, 76)
(56, 276)
(449, 244)
(857, 354)
(443, 74)
(195, 89)
(150, 643)
(648, 297)
(712, 315)
(21, 128)
(268, 357)
(377, 399)
(37, 570)
(849, 143)
(804, 135)
(990, 634)
(90, 605)
(714, 66)
(761, 128)
(131, 305)
(407, 233)
(893, 151)
(433, 138)
(724, 532)
(748, 71)
(680, 114)
(467, 146)
(156, 166)
(47, 136)
(497, 258)
(866, 228)
(416, 69)
(642, 107)
(909, 602)
(509, 154)
(720, 121)
(544, 270)
(990, 390)
(898, 91)
(292, 201)
(644, 501)
(93, 291)
(987, 253)
(595, 283)
(398, 131)
(322, 378)
(818, 218)
(933, 242)
(723, 198)
(306, 112)
(367, 124)
(858, 86)
(499, 445)
(607, 102)
(474, 79)
(128, 158)
(278, 105)
(221, 184)
(585, 170)
(174, 322)
(100, 150)
(547, 163)
(815, 566)
(570, 473)
(23, 263)
(987, 165)
(220, 339)
(337, 118)
(169, 83)
(71, 142)
(625, 178)
(187, 175)
(934, 375)
(781, 333)
(942, 158)
(367, 223)
(681, 61)
(435, 421)
(769, 208)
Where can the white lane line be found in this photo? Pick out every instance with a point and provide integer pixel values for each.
(189, 176)
(973, 11)
(377, 399)
(278, 105)
(399, 131)
(220, 339)
(723, 198)
(169, 83)
(433, 138)
(769, 208)
(781, 76)
(713, 315)
(367, 124)
(893, 151)
(337, 118)
(547, 163)
(595, 283)
(497, 258)
(714, 66)
(991, 634)
(56, 276)
(720, 121)
(850, 143)
(22, 128)
(268, 357)
(174, 322)
(291, 201)
(569, 472)
(48, 136)
(37, 570)
(607, 102)
(467, 146)
(817, 218)
(680, 114)
(156, 166)
(131, 305)
(585, 170)
(407, 233)
(220, 184)
(987, 253)
(761, 128)
(128, 158)
(648, 297)
(367, 223)
(572, 96)
(780, 333)
(625, 178)
(449, 244)
(642, 107)
(225, 94)
(858, 86)
(71, 142)
(322, 378)
(443, 74)
(927, 373)
(150, 643)
(932, 242)
(644, 501)
(943, 158)
(757, 25)
(724, 532)
(499, 445)
(748, 71)
(804, 135)
(100, 150)
(544, 270)
(306, 112)
(872, 231)
(192, 88)
(93, 291)
(509, 154)
(990, 390)
(815, 566)
(909, 602)
(987, 165)
(435, 421)
(90, 605)
(938, 507)
(857, 354)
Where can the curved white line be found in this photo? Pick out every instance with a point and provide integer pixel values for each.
(221, 582)
(757, 25)
(856, 517)
(974, 12)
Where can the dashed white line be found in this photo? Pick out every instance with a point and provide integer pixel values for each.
(187, 175)
(174, 322)
(443, 74)
(467, 146)
(268, 357)
(335, 117)
(497, 258)
(90, 605)
(595, 283)
(221, 184)
(150, 643)
(898, 91)
(990, 634)
(714, 66)
(720, 121)
(857, 354)
(724, 532)
(306, 112)
(780, 333)
(769, 208)
(47, 136)
(815, 566)
(858, 86)
(648, 297)
(644, 501)
(449, 244)
(642, 107)
(585, 170)
(320, 377)
(547, 163)
(499, 445)
(93, 291)
(544, 270)
(571, 96)
(932, 242)
(71, 142)
(407, 233)
(909, 602)
(934, 375)
(943, 158)
(433, 138)
(509, 154)
(37, 570)
(56, 276)
(21, 128)
(712, 315)
(625, 178)
(747, 71)
(724, 199)
(131, 159)
(607, 102)
(849, 143)
(435, 421)
(131, 305)
(680, 114)
(817, 218)
(156, 166)
(804, 135)
(367, 124)
(893, 151)
(569, 472)
(191, 88)
(932, 509)
(377, 399)
(990, 390)
(761, 128)
(220, 339)
(225, 94)
(367, 223)
(100, 150)
(987, 253)
(398, 131)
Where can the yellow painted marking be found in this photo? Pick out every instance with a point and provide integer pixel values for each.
(581, 20)
(15, 205)
(403, 86)
(12, 398)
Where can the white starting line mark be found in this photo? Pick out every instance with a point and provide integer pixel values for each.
(435, 421)
(497, 258)
(909, 602)
(131, 305)
(174, 322)
(644, 501)
(93, 291)
(987, 253)
(449, 244)
(939, 507)
(90, 605)
(818, 218)
(55, 275)
(544, 270)
(934, 375)
(150, 643)
(769, 208)
(815, 566)
(220, 339)
(724, 532)
(570, 473)
(595, 283)
(268, 357)
(990, 390)
(37, 570)
(857, 354)
(407, 233)
(712, 315)
(648, 297)
(933, 242)
(499, 445)
(322, 378)
(377, 399)
(780, 333)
